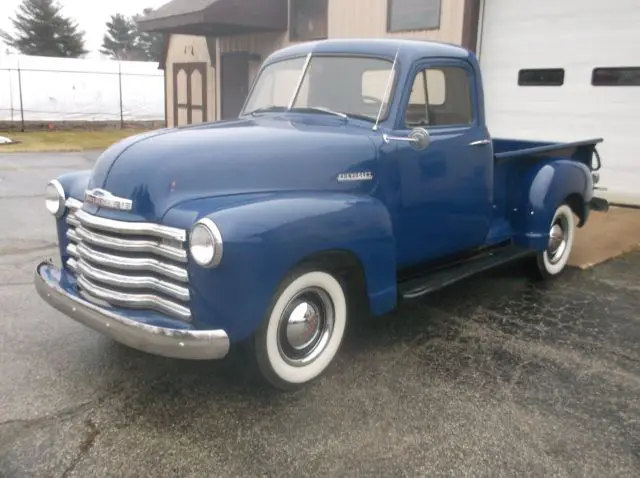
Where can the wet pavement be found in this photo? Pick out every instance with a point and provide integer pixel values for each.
(496, 376)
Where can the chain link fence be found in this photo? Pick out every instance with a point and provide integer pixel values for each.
(44, 90)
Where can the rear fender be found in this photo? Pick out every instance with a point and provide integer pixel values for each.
(266, 235)
(540, 190)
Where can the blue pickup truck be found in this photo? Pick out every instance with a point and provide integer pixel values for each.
(359, 174)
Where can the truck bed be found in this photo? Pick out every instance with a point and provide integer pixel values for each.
(583, 151)
(513, 157)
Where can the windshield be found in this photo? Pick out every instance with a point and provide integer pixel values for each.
(350, 85)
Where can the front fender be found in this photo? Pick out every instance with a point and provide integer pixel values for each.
(74, 185)
(266, 235)
(539, 192)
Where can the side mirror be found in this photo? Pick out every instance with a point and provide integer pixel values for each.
(419, 138)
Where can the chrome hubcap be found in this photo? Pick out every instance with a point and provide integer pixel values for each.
(305, 326)
(557, 240)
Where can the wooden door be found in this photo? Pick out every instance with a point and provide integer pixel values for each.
(189, 93)
(234, 82)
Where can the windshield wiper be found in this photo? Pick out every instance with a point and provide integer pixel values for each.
(321, 109)
(361, 116)
(266, 109)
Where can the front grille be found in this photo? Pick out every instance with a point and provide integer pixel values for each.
(129, 264)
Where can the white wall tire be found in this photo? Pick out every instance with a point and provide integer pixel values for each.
(303, 330)
(553, 260)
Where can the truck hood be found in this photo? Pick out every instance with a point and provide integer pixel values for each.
(160, 169)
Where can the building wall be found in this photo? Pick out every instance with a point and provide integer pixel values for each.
(346, 19)
(368, 18)
(188, 49)
(352, 19)
(261, 44)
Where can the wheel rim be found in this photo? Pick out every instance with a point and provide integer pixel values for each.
(558, 239)
(305, 326)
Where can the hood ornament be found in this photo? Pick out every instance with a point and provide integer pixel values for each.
(103, 198)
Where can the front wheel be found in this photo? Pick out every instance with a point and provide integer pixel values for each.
(303, 331)
(552, 261)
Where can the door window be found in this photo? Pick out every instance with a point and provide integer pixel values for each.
(440, 96)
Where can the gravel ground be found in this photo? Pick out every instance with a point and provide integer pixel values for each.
(496, 376)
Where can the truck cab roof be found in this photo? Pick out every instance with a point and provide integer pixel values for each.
(408, 50)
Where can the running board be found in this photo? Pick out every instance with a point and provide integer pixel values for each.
(440, 278)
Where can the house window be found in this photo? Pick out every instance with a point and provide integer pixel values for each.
(440, 96)
(308, 20)
(620, 76)
(407, 15)
(541, 77)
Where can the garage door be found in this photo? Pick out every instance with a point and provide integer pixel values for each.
(567, 70)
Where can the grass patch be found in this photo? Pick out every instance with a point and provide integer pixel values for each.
(75, 140)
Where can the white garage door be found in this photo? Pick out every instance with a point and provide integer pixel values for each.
(558, 44)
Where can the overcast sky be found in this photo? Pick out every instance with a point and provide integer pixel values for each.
(91, 16)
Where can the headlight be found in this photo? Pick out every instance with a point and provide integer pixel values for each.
(54, 198)
(205, 243)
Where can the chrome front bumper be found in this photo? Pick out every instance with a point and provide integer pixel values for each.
(175, 343)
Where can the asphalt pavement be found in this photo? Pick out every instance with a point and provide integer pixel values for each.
(496, 376)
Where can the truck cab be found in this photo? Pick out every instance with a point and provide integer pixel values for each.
(359, 173)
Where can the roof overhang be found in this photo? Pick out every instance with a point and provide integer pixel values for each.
(217, 17)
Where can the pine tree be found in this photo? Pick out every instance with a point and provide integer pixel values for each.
(151, 43)
(121, 40)
(42, 30)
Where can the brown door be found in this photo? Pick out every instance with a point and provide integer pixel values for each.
(189, 93)
(234, 83)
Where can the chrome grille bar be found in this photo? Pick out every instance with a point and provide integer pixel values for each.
(131, 282)
(127, 263)
(121, 227)
(138, 265)
(73, 203)
(72, 221)
(135, 301)
(127, 245)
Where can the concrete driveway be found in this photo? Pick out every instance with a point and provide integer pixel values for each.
(497, 376)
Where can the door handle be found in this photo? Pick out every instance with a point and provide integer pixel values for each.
(480, 142)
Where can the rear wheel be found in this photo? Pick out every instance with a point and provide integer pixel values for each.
(303, 331)
(553, 260)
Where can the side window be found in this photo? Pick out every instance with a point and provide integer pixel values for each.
(619, 76)
(440, 96)
(408, 15)
(541, 77)
(308, 20)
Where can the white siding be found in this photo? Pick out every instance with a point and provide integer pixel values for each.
(577, 35)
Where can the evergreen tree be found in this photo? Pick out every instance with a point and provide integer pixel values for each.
(151, 43)
(121, 41)
(42, 30)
